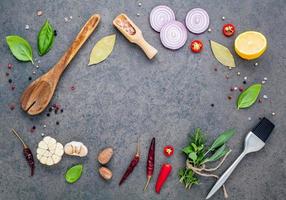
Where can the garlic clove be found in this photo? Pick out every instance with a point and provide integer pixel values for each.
(83, 152)
(43, 160)
(56, 159)
(59, 149)
(41, 151)
(68, 149)
(50, 161)
(43, 145)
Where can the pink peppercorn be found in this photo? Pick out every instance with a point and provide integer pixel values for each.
(10, 66)
(240, 88)
(72, 88)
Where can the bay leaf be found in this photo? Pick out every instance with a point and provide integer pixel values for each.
(222, 54)
(102, 49)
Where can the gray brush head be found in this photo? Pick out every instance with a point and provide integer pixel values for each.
(263, 129)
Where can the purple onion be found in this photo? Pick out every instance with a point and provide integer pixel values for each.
(161, 15)
(197, 20)
(173, 35)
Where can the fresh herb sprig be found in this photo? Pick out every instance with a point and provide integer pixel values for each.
(198, 154)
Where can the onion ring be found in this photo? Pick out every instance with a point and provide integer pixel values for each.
(161, 15)
(173, 35)
(197, 20)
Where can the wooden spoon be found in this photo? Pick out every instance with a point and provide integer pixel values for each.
(39, 93)
(127, 27)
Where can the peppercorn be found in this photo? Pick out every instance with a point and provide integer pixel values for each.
(57, 123)
(212, 105)
(30, 78)
(62, 110)
(55, 33)
(48, 114)
(244, 82)
(10, 80)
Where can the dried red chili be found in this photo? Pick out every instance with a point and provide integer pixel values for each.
(150, 162)
(196, 46)
(27, 153)
(228, 30)
(168, 150)
(132, 165)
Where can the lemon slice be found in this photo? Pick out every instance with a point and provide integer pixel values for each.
(250, 45)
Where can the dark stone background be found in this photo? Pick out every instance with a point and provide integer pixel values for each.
(127, 96)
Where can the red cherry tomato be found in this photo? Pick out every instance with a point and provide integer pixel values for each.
(168, 150)
(196, 46)
(228, 30)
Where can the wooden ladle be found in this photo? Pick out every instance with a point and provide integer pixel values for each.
(39, 93)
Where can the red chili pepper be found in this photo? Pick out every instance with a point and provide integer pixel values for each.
(132, 165)
(196, 46)
(164, 173)
(27, 153)
(168, 150)
(150, 162)
(228, 30)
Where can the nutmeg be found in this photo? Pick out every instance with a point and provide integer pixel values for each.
(105, 173)
(105, 155)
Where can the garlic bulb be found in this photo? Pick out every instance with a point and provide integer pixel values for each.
(76, 149)
(49, 151)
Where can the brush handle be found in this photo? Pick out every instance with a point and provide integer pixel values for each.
(225, 175)
(80, 39)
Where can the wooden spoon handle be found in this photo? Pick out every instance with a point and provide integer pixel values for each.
(82, 36)
(149, 50)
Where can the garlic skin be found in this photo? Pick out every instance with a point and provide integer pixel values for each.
(49, 151)
(75, 148)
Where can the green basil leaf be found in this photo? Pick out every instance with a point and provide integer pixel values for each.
(73, 173)
(249, 96)
(222, 139)
(45, 38)
(217, 155)
(20, 48)
(193, 156)
(187, 150)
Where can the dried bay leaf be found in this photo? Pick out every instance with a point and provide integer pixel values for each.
(102, 49)
(222, 54)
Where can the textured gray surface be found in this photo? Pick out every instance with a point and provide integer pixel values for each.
(128, 96)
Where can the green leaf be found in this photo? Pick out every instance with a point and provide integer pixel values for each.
(45, 38)
(217, 155)
(187, 150)
(198, 138)
(187, 177)
(193, 156)
(249, 96)
(73, 173)
(102, 49)
(222, 139)
(222, 54)
(20, 48)
(194, 146)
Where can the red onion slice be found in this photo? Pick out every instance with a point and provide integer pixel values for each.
(197, 20)
(173, 35)
(161, 15)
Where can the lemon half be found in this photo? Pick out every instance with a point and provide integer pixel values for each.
(250, 45)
